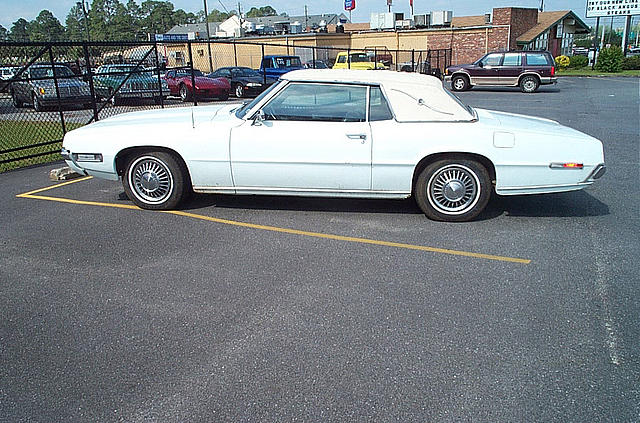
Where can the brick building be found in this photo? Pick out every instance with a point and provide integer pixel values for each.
(468, 37)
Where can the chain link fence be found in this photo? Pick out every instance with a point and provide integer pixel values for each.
(48, 89)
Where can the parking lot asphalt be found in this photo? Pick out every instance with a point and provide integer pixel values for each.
(275, 309)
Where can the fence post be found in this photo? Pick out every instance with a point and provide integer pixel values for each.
(87, 63)
(193, 78)
(375, 58)
(155, 48)
(55, 83)
(235, 52)
(264, 70)
(349, 58)
(313, 55)
(413, 60)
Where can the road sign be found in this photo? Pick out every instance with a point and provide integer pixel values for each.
(602, 8)
(349, 5)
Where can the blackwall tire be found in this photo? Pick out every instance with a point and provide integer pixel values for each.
(184, 93)
(239, 91)
(156, 181)
(529, 84)
(37, 105)
(459, 83)
(453, 190)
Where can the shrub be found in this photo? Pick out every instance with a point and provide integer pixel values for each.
(562, 62)
(631, 63)
(610, 60)
(578, 61)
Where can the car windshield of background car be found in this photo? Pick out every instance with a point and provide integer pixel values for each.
(243, 110)
(318, 102)
(245, 72)
(61, 71)
(186, 72)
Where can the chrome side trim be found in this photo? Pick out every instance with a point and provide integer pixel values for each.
(597, 173)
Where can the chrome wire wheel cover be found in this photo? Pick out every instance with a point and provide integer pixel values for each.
(453, 189)
(150, 180)
(458, 84)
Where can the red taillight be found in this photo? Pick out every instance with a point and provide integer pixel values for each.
(553, 70)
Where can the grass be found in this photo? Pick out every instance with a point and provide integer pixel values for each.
(589, 72)
(25, 133)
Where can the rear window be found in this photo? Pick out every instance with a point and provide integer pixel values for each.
(537, 59)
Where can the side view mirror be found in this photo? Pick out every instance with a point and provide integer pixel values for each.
(480, 64)
(259, 118)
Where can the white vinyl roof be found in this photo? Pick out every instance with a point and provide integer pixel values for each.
(412, 96)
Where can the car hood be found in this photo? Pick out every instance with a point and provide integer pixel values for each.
(518, 123)
(204, 81)
(164, 118)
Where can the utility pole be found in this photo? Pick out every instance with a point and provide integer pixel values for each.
(206, 24)
(86, 19)
(306, 18)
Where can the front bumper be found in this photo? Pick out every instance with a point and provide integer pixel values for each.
(65, 101)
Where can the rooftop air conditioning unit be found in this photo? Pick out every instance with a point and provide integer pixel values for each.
(441, 17)
(422, 21)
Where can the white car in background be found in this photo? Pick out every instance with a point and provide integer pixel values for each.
(339, 133)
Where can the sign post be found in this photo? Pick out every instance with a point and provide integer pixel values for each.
(349, 5)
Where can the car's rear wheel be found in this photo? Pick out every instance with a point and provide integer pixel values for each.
(453, 190)
(156, 181)
(184, 93)
(239, 90)
(17, 103)
(529, 84)
(459, 83)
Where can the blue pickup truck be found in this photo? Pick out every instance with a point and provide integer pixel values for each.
(276, 65)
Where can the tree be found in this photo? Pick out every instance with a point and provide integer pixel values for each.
(4, 34)
(157, 16)
(101, 18)
(180, 17)
(255, 12)
(45, 27)
(217, 16)
(76, 24)
(19, 30)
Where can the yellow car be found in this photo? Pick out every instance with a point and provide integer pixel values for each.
(361, 61)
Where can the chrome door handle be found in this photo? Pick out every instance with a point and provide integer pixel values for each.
(357, 136)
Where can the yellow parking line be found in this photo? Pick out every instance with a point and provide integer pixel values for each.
(276, 228)
(26, 194)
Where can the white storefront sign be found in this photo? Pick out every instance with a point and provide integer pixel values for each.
(600, 8)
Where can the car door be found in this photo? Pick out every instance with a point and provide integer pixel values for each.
(172, 82)
(314, 136)
(486, 73)
(511, 68)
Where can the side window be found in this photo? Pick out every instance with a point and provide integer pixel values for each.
(378, 106)
(318, 102)
(226, 73)
(342, 59)
(266, 63)
(492, 60)
(512, 59)
(171, 74)
(537, 59)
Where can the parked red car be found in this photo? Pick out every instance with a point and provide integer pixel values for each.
(180, 84)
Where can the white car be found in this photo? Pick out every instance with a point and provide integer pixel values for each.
(339, 133)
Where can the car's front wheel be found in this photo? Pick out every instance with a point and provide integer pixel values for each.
(453, 190)
(184, 93)
(529, 84)
(37, 104)
(156, 181)
(239, 91)
(17, 103)
(459, 83)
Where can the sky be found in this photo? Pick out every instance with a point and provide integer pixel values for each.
(29, 9)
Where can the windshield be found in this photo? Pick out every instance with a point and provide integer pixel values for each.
(186, 72)
(245, 72)
(242, 111)
(61, 71)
